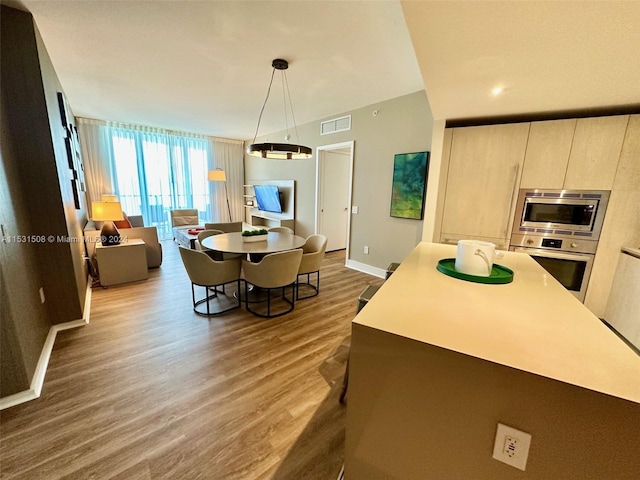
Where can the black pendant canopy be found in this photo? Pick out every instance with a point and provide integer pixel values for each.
(280, 151)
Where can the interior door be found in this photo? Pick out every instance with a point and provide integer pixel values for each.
(334, 187)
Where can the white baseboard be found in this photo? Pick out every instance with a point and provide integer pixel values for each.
(45, 355)
(363, 267)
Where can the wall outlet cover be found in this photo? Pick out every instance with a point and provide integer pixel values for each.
(511, 446)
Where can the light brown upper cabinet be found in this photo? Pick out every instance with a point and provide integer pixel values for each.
(485, 165)
(628, 172)
(595, 151)
(548, 150)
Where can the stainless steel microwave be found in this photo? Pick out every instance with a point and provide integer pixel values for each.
(561, 213)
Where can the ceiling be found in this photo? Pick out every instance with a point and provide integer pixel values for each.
(548, 56)
(204, 66)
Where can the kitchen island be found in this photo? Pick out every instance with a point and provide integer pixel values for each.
(437, 362)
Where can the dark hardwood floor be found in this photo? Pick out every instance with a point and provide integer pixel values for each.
(149, 390)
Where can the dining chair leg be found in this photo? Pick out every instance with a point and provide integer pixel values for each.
(206, 292)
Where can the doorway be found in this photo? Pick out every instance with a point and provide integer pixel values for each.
(334, 174)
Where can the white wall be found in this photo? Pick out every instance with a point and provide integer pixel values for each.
(402, 125)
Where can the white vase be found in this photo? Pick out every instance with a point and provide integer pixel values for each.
(254, 238)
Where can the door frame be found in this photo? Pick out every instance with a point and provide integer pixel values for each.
(319, 158)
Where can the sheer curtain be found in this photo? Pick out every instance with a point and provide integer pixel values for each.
(229, 156)
(154, 171)
(95, 146)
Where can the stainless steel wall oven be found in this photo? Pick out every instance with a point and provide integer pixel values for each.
(560, 230)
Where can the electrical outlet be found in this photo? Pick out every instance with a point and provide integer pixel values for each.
(354, 209)
(511, 446)
(366, 250)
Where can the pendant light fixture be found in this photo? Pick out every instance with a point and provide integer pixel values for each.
(281, 151)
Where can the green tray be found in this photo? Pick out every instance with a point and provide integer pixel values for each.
(499, 274)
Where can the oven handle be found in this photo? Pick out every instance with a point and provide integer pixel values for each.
(540, 252)
(514, 188)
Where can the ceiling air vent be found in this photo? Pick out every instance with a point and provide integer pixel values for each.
(336, 125)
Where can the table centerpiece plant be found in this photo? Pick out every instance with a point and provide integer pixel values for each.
(258, 235)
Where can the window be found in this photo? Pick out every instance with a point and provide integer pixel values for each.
(155, 173)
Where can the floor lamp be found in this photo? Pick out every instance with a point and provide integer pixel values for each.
(218, 175)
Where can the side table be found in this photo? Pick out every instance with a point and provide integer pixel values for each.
(126, 262)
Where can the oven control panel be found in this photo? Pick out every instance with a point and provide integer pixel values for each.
(557, 244)
(552, 243)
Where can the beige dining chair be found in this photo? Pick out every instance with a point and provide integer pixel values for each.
(281, 229)
(212, 253)
(205, 272)
(276, 271)
(313, 254)
(228, 227)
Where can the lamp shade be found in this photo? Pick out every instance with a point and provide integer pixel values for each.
(217, 176)
(107, 197)
(106, 211)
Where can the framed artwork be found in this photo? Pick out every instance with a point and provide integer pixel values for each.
(70, 157)
(409, 185)
(76, 193)
(74, 154)
(64, 111)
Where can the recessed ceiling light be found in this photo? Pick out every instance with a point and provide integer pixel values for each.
(495, 91)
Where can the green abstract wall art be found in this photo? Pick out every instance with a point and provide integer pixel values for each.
(409, 184)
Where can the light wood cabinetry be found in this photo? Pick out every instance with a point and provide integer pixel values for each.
(595, 152)
(628, 171)
(482, 180)
(599, 153)
(574, 154)
(547, 156)
(624, 301)
(621, 226)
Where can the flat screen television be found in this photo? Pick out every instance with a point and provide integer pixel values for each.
(268, 198)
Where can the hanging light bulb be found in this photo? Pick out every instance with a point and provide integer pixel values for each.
(282, 151)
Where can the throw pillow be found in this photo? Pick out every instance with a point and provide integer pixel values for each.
(124, 223)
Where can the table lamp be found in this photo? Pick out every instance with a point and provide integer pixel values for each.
(218, 175)
(108, 212)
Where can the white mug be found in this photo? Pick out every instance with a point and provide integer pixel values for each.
(475, 257)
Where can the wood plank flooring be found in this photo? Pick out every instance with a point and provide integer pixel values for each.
(149, 390)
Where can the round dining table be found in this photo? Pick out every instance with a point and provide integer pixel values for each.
(232, 243)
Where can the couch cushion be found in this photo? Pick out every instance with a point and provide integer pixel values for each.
(185, 216)
(124, 223)
(185, 220)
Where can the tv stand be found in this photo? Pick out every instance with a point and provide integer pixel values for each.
(258, 218)
(269, 220)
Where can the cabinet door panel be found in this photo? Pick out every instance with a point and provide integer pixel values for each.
(621, 228)
(483, 175)
(628, 172)
(595, 152)
(547, 156)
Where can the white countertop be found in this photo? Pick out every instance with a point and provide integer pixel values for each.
(532, 324)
